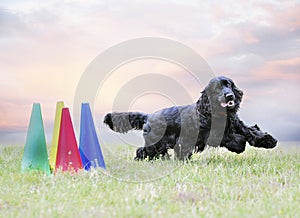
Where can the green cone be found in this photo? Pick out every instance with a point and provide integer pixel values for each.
(35, 155)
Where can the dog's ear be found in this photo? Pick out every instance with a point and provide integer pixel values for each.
(238, 94)
(203, 105)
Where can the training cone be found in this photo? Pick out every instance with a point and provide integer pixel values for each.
(35, 155)
(89, 146)
(56, 128)
(68, 157)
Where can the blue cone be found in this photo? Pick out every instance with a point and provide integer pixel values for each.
(89, 146)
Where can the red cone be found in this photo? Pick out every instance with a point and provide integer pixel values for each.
(68, 157)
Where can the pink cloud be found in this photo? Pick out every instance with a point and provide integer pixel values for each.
(285, 17)
(279, 70)
(250, 38)
(12, 116)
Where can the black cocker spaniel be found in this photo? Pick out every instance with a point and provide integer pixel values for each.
(212, 121)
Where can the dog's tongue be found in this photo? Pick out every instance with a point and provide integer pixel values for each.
(224, 104)
(229, 104)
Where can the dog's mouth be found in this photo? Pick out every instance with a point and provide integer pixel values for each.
(229, 104)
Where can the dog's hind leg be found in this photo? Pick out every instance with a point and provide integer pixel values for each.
(152, 151)
(183, 152)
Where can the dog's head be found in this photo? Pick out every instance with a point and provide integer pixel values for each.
(220, 93)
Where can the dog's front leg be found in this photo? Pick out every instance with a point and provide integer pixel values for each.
(254, 136)
(261, 139)
(234, 142)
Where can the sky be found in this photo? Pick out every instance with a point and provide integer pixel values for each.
(45, 46)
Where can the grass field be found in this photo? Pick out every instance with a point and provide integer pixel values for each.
(257, 183)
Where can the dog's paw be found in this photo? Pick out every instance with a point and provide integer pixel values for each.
(140, 154)
(267, 141)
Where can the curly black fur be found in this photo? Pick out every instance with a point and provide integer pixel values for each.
(212, 121)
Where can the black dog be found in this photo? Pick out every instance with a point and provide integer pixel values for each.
(212, 121)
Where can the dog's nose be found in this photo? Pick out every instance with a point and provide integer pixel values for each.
(229, 96)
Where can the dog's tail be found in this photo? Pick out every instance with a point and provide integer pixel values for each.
(125, 121)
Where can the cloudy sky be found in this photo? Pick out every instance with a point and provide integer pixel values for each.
(45, 46)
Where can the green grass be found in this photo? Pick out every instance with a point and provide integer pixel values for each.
(257, 183)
